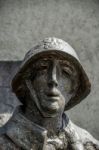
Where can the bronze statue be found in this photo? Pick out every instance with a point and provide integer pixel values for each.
(50, 81)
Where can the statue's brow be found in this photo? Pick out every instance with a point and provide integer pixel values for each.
(40, 62)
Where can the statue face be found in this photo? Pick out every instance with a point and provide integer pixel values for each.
(53, 84)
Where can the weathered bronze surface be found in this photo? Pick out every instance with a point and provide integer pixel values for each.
(50, 80)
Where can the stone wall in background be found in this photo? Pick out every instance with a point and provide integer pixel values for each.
(24, 22)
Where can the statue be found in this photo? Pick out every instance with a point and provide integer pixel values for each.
(50, 81)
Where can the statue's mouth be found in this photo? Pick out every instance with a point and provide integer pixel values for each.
(53, 94)
(53, 100)
(50, 103)
(53, 97)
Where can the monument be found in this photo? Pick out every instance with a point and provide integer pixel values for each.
(50, 81)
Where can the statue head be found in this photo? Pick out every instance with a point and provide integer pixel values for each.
(54, 77)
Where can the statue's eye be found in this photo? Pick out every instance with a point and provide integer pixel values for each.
(66, 71)
(42, 67)
(38, 70)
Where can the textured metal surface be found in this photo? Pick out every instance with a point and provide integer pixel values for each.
(62, 50)
(17, 127)
(23, 22)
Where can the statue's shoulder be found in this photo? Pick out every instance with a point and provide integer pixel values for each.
(84, 135)
(23, 132)
(6, 143)
(77, 134)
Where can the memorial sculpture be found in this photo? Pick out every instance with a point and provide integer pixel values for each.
(49, 81)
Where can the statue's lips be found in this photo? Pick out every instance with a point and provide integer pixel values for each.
(53, 94)
(51, 102)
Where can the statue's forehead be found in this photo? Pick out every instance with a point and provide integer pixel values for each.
(62, 62)
(44, 59)
(52, 56)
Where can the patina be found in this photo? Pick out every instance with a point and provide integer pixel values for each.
(49, 81)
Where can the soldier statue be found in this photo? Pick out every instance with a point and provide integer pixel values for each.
(50, 81)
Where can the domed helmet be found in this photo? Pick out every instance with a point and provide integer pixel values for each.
(59, 47)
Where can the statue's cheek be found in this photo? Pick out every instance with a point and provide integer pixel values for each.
(40, 82)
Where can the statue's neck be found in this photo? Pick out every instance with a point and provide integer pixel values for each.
(52, 125)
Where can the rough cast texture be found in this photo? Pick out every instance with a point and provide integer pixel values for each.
(23, 22)
(45, 84)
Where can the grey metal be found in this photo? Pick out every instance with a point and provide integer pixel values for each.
(63, 49)
(49, 81)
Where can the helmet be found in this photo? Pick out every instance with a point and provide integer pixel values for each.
(62, 48)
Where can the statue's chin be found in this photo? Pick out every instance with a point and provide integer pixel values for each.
(50, 111)
(49, 115)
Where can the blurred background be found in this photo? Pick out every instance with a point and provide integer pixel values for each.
(25, 22)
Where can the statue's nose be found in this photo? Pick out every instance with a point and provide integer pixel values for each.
(52, 75)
